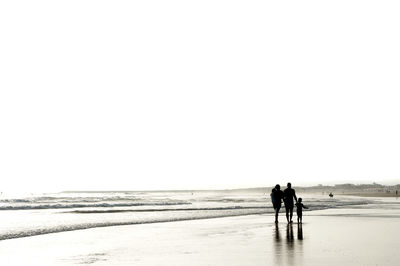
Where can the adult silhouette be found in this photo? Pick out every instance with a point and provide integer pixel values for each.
(289, 194)
(277, 197)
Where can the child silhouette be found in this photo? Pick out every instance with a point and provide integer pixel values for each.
(300, 208)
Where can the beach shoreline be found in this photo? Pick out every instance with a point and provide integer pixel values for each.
(327, 237)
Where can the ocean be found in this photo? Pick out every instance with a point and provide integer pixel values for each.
(46, 213)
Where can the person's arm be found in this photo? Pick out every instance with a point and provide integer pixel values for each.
(294, 194)
(305, 207)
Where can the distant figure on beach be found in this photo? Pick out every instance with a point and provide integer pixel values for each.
(277, 197)
(299, 210)
(331, 195)
(288, 195)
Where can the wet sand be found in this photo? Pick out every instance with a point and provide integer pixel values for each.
(329, 237)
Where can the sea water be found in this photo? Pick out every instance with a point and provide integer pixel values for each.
(46, 213)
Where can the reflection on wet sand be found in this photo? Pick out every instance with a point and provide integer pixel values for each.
(277, 245)
(299, 232)
(287, 251)
(277, 235)
(289, 233)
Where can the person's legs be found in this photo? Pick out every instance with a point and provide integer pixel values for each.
(291, 214)
(287, 213)
(277, 207)
(276, 213)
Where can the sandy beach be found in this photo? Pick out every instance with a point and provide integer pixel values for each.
(327, 237)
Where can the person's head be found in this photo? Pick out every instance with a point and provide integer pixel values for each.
(277, 187)
(300, 200)
(289, 185)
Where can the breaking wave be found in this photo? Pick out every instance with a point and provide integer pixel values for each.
(83, 205)
(69, 212)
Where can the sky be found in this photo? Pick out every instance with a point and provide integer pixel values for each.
(132, 95)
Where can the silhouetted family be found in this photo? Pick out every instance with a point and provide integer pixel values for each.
(288, 196)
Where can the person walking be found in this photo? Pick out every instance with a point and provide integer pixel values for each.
(289, 195)
(277, 197)
(300, 206)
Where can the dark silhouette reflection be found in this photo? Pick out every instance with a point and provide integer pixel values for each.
(287, 249)
(290, 245)
(289, 235)
(278, 247)
(300, 232)
(277, 235)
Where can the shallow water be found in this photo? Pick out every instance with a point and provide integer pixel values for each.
(357, 235)
(51, 213)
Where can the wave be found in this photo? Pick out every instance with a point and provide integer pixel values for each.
(59, 229)
(70, 199)
(175, 209)
(16, 205)
(200, 214)
(234, 200)
(85, 205)
(322, 205)
(177, 214)
(15, 200)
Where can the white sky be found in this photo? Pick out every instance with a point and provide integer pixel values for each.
(198, 94)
